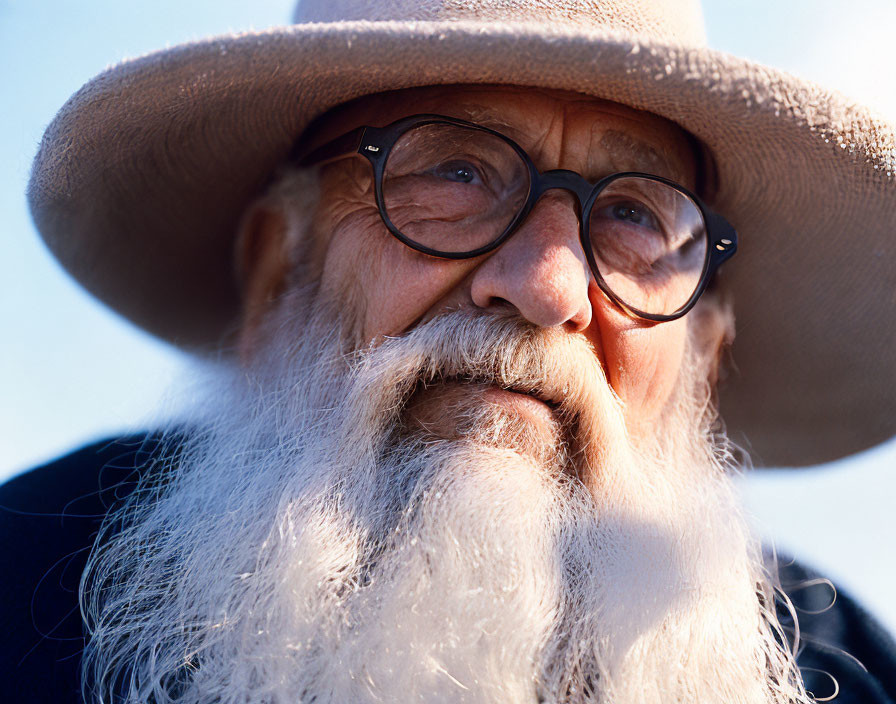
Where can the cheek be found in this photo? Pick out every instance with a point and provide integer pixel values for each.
(644, 364)
(381, 286)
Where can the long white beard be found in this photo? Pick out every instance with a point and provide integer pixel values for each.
(311, 543)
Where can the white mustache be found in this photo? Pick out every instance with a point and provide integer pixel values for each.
(490, 349)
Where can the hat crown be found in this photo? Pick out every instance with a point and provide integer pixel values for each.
(675, 21)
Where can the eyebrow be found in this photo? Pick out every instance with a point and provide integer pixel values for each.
(488, 117)
(627, 153)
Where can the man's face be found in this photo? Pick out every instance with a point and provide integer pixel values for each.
(368, 513)
(541, 273)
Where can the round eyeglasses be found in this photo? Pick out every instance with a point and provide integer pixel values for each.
(456, 190)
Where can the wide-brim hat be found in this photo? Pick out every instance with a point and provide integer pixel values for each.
(143, 175)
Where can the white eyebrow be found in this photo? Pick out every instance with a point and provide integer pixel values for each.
(628, 153)
(488, 117)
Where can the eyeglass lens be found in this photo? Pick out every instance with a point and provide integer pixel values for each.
(455, 189)
(649, 243)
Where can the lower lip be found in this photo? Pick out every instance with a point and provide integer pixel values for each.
(523, 404)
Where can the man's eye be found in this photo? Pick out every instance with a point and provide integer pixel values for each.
(458, 172)
(632, 213)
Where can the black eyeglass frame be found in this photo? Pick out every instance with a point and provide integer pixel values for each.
(375, 144)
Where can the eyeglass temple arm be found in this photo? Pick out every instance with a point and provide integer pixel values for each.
(348, 143)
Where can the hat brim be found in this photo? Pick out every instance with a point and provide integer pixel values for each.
(142, 177)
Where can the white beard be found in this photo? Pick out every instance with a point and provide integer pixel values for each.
(313, 544)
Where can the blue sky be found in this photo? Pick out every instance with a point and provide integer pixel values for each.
(71, 371)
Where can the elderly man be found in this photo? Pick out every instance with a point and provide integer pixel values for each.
(461, 262)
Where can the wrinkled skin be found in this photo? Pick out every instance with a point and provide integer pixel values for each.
(385, 288)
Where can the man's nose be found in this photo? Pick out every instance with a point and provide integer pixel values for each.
(541, 270)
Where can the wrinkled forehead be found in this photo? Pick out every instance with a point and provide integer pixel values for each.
(559, 129)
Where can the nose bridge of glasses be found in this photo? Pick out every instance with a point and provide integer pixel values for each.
(565, 180)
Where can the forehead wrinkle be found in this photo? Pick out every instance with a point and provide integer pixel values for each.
(621, 150)
(559, 126)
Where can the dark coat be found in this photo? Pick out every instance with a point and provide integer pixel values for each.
(49, 518)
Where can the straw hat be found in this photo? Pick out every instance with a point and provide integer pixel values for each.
(142, 176)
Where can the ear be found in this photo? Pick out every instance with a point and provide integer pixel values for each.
(262, 265)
